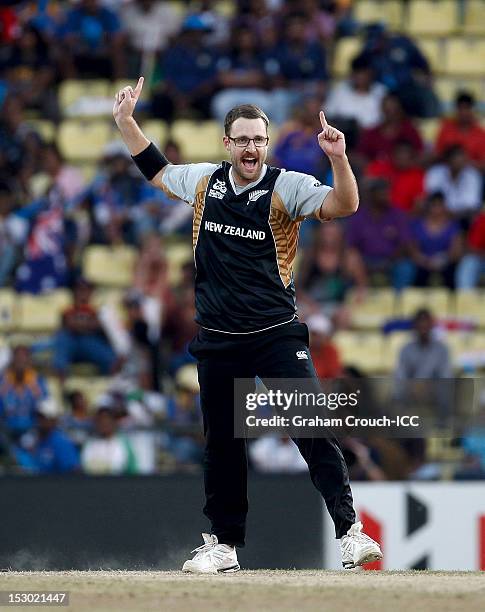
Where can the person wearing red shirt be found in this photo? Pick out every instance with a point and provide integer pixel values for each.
(405, 176)
(472, 266)
(464, 130)
(378, 142)
(325, 355)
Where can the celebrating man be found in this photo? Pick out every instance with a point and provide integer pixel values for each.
(245, 231)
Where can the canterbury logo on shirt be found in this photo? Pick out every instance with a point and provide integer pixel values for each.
(254, 195)
(301, 355)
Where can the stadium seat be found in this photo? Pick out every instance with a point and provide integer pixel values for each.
(92, 387)
(474, 22)
(345, 51)
(371, 11)
(470, 305)
(41, 313)
(448, 87)
(378, 305)
(72, 90)
(393, 344)
(361, 349)
(83, 140)
(465, 57)
(432, 17)
(177, 254)
(429, 129)
(226, 8)
(199, 140)
(110, 266)
(432, 49)
(437, 299)
(46, 129)
(8, 310)
(156, 131)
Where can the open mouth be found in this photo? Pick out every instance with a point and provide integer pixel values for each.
(249, 163)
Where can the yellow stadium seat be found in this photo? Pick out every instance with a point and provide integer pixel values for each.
(470, 305)
(110, 266)
(432, 49)
(436, 299)
(226, 8)
(72, 90)
(178, 254)
(41, 313)
(360, 349)
(378, 305)
(429, 129)
(46, 129)
(474, 17)
(432, 17)
(83, 140)
(156, 131)
(8, 310)
(448, 87)
(92, 387)
(370, 11)
(345, 51)
(465, 57)
(393, 344)
(199, 140)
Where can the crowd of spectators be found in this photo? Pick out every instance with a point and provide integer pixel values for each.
(420, 221)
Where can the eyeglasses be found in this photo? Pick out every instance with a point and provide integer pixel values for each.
(243, 141)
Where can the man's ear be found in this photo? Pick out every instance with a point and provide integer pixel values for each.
(227, 143)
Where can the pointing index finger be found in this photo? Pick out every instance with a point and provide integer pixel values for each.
(323, 121)
(138, 87)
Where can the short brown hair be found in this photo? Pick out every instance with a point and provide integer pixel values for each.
(247, 111)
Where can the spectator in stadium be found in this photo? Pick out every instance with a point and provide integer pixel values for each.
(460, 182)
(179, 326)
(379, 141)
(297, 148)
(13, 133)
(359, 97)
(320, 19)
(363, 460)
(463, 129)
(184, 440)
(437, 243)
(50, 451)
(21, 390)
(329, 268)
(402, 68)
(149, 27)
(108, 451)
(379, 233)
(404, 173)
(77, 423)
(93, 42)
(424, 356)
(68, 179)
(325, 355)
(189, 74)
(241, 76)
(472, 265)
(272, 454)
(81, 337)
(114, 199)
(12, 232)
(30, 72)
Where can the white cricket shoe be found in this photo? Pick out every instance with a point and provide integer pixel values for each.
(212, 558)
(358, 548)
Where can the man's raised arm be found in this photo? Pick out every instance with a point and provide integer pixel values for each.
(343, 200)
(145, 154)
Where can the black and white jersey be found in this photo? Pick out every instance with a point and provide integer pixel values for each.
(245, 242)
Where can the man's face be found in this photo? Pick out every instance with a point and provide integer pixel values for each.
(21, 359)
(247, 162)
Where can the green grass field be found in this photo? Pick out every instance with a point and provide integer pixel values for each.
(252, 591)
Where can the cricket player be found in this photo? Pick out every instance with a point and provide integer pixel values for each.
(245, 231)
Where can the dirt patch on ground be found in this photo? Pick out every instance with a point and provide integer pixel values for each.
(252, 591)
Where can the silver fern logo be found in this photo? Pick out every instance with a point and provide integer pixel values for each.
(254, 195)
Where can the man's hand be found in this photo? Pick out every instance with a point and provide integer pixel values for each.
(331, 140)
(125, 102)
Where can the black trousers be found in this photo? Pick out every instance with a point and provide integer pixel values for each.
(271, 354)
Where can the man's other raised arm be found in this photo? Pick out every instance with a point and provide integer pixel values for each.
(146, 156)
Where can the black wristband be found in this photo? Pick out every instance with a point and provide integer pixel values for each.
(150, 161)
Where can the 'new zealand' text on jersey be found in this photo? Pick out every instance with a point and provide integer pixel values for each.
(245, 242)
